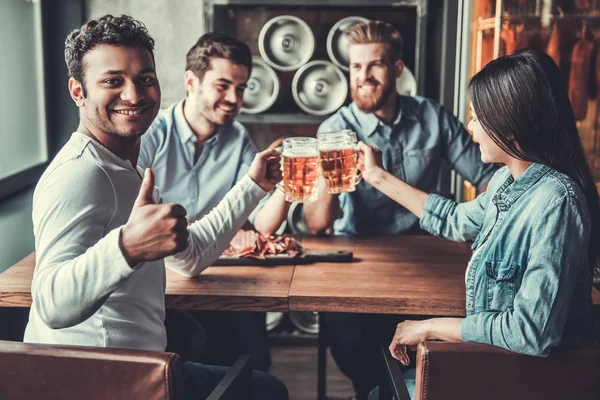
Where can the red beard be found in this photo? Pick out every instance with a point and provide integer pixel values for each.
(374, 101)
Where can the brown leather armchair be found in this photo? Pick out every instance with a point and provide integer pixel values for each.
(30, 371)
(470, 371)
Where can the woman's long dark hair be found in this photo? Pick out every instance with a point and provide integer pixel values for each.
(521, 98)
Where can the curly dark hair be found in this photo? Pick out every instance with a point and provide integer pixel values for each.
(120, 31)
(216, 45)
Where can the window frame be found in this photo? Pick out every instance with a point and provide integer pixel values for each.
(29, 174)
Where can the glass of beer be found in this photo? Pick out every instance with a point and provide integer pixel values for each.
(300, 169)
(338, 157)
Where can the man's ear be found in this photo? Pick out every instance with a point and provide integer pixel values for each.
(190, 81)
(398, 67)
(76, 92)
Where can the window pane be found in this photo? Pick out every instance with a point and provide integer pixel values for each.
(22, 113)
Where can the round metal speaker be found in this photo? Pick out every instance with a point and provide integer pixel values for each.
(406, 84)
(286, 43)
(262, 89)
(337, 42)
(306, 321)
(319, 88)
(273, 320)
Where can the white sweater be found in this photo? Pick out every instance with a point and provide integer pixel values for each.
(83, 290)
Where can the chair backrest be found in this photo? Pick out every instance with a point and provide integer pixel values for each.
(29, 371)
(470, 371)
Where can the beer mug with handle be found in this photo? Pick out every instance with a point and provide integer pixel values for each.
(300, 169)
(338, 157)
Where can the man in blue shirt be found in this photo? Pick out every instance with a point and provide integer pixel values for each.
(198, 152)
(414, 134)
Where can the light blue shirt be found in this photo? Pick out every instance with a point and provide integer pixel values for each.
(168, 148)
(528, 287)
(412, 149)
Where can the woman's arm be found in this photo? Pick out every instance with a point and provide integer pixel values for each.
(401, 192)
(411, 333)
(439, 216)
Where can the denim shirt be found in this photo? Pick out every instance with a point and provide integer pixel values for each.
(413, 146)
(529, 284)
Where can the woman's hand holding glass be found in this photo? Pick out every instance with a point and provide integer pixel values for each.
(369, 162)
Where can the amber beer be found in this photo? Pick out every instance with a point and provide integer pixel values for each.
(338, 158)
(300, 169)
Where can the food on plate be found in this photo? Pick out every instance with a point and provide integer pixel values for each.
(251, 244)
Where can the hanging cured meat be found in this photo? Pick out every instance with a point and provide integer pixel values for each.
(553, 48)
(579, 77)
(597, 68)
(507, 34)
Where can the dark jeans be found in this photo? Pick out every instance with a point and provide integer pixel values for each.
(218, 337)
(200, 380)
(355, 341)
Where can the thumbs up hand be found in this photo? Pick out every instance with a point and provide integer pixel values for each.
(153, 231)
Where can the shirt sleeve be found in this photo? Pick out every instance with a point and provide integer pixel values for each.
(78, 264)
(248, 153)
(247, 156)
(462, 152)
(557, 254)
(211, 235)
(459, 222)
(150, 143)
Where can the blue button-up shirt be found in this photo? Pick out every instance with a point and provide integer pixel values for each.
(412, 146)
(528, 285)
(168, 148)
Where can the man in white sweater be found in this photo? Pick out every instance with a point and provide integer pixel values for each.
(102, 235)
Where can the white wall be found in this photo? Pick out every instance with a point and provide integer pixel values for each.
(175, 27)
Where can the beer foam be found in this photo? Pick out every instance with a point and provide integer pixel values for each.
(336, 146)
(300, 153)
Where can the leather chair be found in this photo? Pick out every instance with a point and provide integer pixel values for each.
(31, 371)
(470, 371)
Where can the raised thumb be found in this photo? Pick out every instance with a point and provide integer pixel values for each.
(146, 190)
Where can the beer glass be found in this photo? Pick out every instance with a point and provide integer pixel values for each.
(338, 157)
(300, 169)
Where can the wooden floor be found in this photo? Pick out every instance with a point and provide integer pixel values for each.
(296, 366)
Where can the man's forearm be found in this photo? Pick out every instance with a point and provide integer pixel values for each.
(272, 214)
(320, 214)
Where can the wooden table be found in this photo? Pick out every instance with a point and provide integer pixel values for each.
(231, 288)
(247, 288)
(397, 275)
(390, 275)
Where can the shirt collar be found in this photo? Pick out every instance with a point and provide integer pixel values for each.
(369, 121)
(181, 125)
(184, 130)
(512, 189)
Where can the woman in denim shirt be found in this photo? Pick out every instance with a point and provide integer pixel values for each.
(536, 228)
